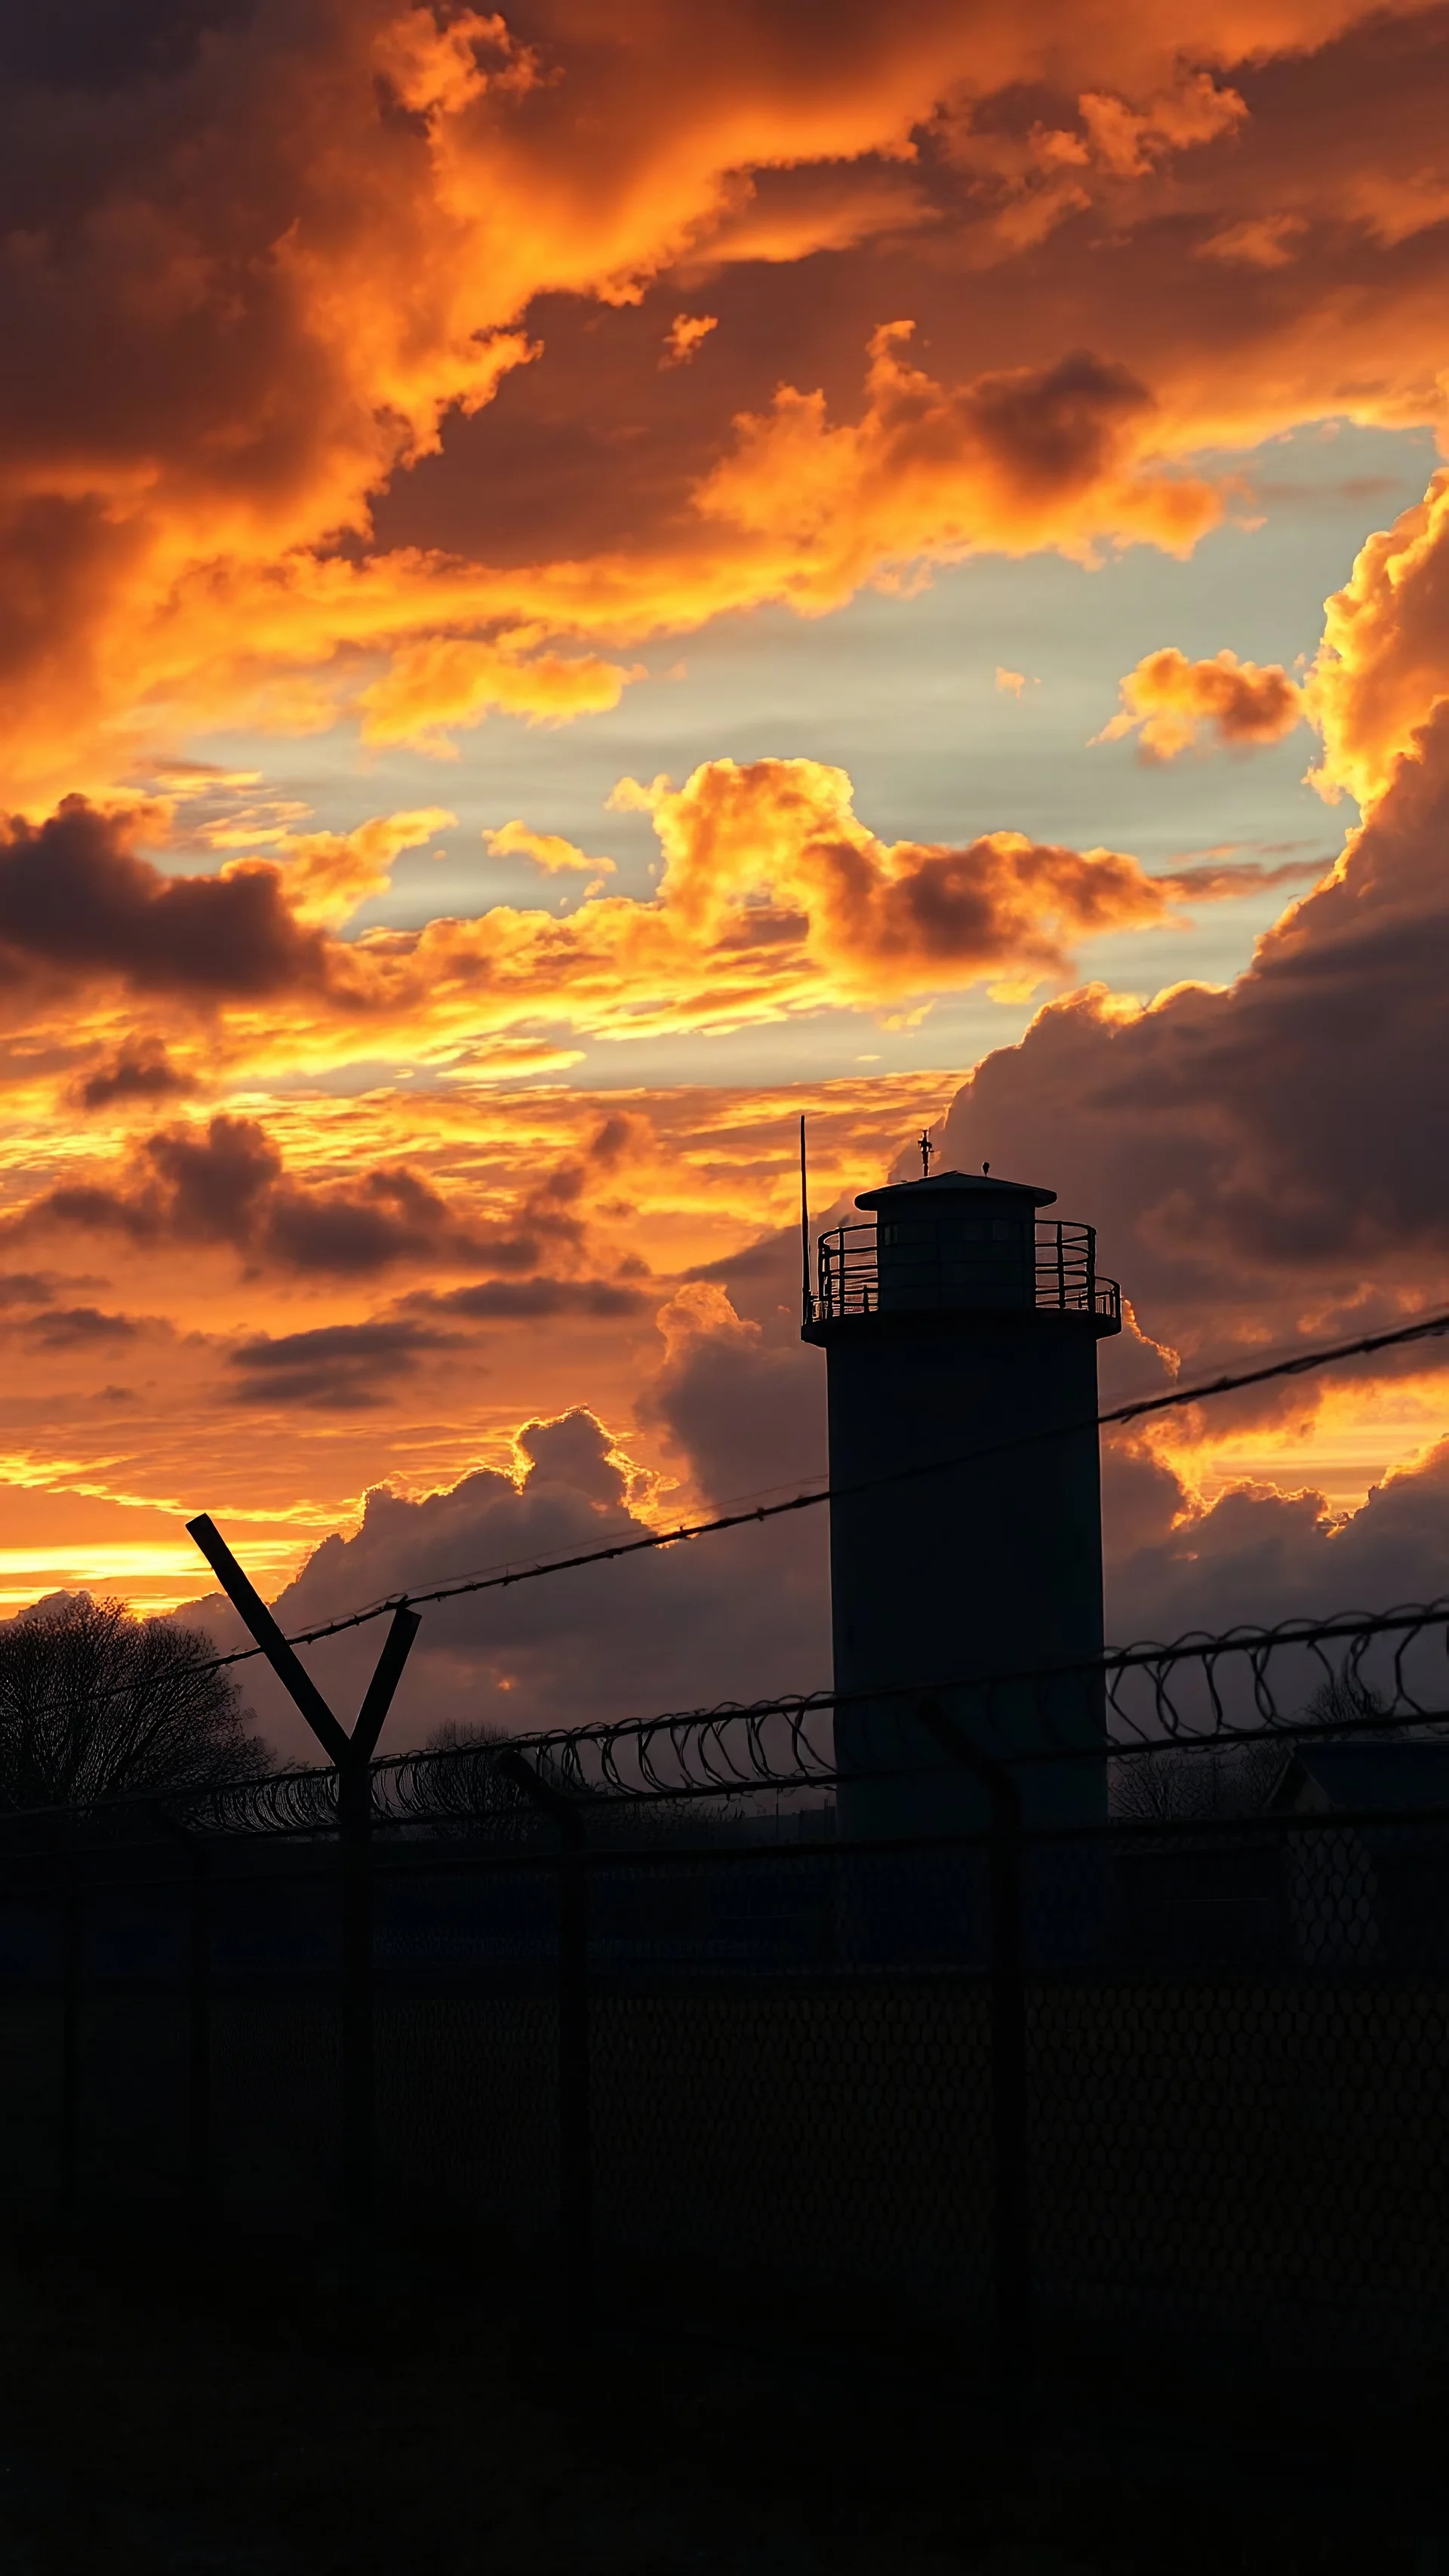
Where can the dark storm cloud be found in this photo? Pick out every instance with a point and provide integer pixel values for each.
(65, 1328)
(510, 1299)
(342, 1367)
(139, 1071)
(1258, 1557)
(102, 45)
(31, 1287)
(225, 1183)
(76, 900)
(1269, 1157)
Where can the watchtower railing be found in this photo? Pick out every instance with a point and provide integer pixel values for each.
(938, 1270)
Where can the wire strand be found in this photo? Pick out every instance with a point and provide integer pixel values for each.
(1301, 1364)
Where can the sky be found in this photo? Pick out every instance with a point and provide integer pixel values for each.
(576, 585)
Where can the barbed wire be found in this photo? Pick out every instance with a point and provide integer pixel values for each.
(1196, 1693)
(1299, 1364)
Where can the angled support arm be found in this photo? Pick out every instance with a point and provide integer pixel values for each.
(249, 1606)
(342, 1749)
(387, 1673)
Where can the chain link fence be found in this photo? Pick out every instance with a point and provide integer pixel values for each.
(1183, 2076)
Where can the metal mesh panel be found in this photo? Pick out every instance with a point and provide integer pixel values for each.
(796, 2061)
(828, 2130)
(276, 2108)
(1265, 2158)
(30, 2085)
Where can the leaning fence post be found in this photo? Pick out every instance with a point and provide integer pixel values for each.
(576, 2196)
(351, 1756)
(1010, 2108)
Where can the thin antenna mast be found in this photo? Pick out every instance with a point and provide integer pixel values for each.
(807, 1301)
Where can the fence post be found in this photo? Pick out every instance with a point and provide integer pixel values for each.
(198, 1999)
(576, 2193)
(1010, 2106)
(351, 1756)
(72, 1957)
(198, 2123)
(359, 2095)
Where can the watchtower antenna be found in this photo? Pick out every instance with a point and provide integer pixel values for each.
(807, 1299)
(927, 1145)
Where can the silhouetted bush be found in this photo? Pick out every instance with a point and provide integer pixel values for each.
(97, 1704)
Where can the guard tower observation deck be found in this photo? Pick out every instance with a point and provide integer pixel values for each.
(960, 1320)
(958, 1248)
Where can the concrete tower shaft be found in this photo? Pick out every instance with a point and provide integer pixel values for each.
(960, 1318)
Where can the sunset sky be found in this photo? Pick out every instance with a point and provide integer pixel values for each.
(579, 583)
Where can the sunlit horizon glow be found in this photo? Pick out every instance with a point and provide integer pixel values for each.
(573, 600)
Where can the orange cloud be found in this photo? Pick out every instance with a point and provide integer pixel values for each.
(1167, 698)
(775, 898)
(548, 850)
(569, 1221)
(334, 390)
(1026, 458)
(1383, 666)
(329, 875)
(450, 681)
(1261, 241)
(684, 336)
(1130, 141)
(242, 325)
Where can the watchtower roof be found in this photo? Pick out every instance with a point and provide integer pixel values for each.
(981, 1185)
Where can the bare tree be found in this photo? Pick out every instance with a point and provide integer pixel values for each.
(1344, 1703)
(97, 1704)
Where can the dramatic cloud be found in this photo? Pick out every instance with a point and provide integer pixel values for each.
(1264, 1162)
(225, 1184)
(76, 902)
(139, 1071)
(69, 1327)
(747, 1614)
(1026, 458)
(548, 850)
(1167, 698)
(512, 1300)
(379, 369)
(1260, 1556)
(607, 1641)
(736, 1396)
(450, 681)
(774, 898)
(685, 334)
(270, 265)
(340, 1366)
(1384, 666)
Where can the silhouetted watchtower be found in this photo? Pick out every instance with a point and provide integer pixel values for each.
(961, 1319)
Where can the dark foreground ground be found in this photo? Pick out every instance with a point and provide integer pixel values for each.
(219, 2417)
